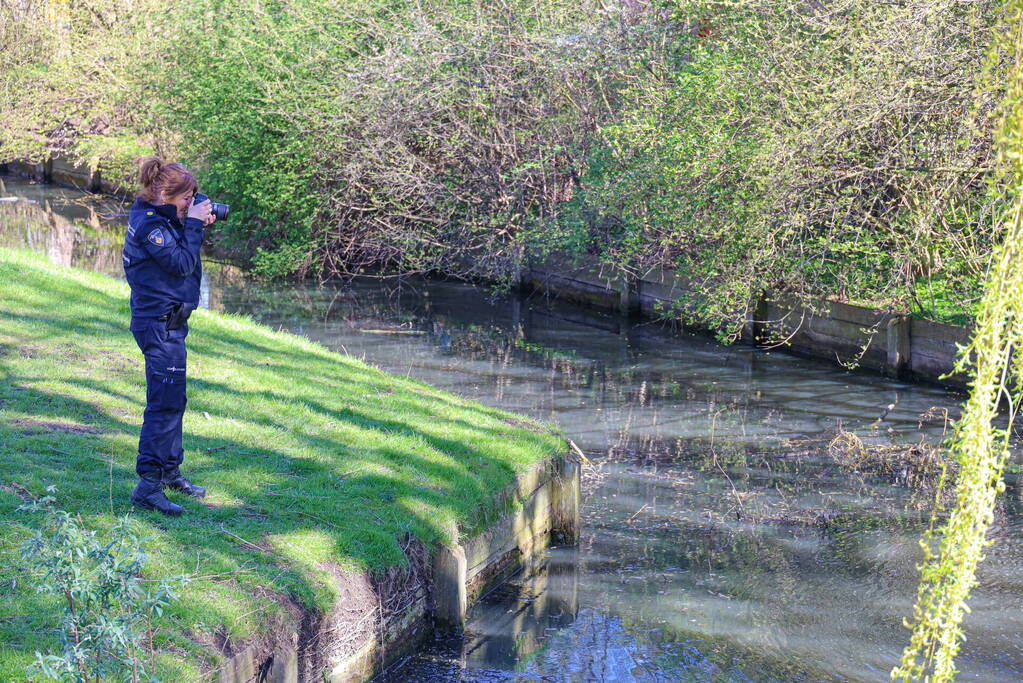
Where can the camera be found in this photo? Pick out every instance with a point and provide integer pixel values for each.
(218, 210)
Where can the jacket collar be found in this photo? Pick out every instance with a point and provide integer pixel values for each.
(166, 210)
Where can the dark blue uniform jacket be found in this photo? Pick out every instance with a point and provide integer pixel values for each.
(161, 261)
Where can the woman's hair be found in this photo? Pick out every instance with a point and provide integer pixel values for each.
(157, 178)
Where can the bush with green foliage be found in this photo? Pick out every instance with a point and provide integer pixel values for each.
(70, 75)
(832, 150)
(819, 149)
(107, 625)
(413, 137)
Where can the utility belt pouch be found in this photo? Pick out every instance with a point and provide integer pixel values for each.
(179, 316)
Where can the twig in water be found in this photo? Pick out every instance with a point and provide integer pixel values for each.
(738, 498)
(645, 505)
(578, 450)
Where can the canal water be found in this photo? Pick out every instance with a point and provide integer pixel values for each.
(722, 539)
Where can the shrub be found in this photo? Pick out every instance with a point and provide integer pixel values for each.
(107, 625)
(826, 150)
(413, 137)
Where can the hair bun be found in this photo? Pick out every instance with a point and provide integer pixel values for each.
(158, 180)
(149, 169)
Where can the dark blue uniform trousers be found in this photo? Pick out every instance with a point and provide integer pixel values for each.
(160, 441)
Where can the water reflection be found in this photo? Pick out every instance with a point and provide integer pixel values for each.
(69, 227)
(720, 541)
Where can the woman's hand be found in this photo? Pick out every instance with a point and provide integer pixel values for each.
(210, 219)
(201, 211)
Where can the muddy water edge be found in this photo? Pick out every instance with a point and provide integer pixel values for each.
(723, 540)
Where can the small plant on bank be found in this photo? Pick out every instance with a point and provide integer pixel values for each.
(106, 632)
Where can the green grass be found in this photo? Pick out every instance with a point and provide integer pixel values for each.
(322, 460)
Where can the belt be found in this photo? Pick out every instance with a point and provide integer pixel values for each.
(170, 316)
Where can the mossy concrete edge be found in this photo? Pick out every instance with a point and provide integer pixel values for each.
(888, 342)
(545, 509)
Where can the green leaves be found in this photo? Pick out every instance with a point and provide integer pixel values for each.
(106, 626)
(953, 550)
(799, 150)
(822, 152)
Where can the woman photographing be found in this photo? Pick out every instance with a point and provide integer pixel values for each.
(162, 266)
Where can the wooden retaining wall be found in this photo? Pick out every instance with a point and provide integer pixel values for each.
(892, 343)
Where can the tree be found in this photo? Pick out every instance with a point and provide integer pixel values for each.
(994, 358)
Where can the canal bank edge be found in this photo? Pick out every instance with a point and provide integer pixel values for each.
(317, 464)
(894, 344)
(447, 582)
(63, 171)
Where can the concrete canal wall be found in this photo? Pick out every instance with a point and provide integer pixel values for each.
(892, 343)
(378, 620)
(62, 171)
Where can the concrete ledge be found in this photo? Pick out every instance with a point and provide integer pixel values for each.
(548, 507)
(62, 171)
(887, 342)
(545, 506)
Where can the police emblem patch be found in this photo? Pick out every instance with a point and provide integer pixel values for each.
(156, 237)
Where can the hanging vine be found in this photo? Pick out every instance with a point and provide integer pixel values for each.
(953, 550)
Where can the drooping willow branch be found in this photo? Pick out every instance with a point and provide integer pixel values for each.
(949, 571)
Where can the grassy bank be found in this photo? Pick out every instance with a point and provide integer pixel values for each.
(315, 462)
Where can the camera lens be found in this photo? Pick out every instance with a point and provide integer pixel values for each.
(221, 211)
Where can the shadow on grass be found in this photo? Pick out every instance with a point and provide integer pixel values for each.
(315, 461)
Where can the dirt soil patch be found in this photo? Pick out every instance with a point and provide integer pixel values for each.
(43, 426)
(522, 424)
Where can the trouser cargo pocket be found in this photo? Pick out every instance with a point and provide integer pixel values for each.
(166, 390)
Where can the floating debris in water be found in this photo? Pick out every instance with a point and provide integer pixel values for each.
(918, 465)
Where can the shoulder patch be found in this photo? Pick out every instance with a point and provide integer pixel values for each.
(149, 213)
(156, 237)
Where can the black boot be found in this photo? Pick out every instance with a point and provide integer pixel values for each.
(176, 481)
(149, 494)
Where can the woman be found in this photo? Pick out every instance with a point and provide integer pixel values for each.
(161, 262)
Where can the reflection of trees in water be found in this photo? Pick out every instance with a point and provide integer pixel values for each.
(694, 655)
(769, 582)
(78, 237)
(602, 647)
(760, 523)
(745, 593)
(647, 415)
(226, 283)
